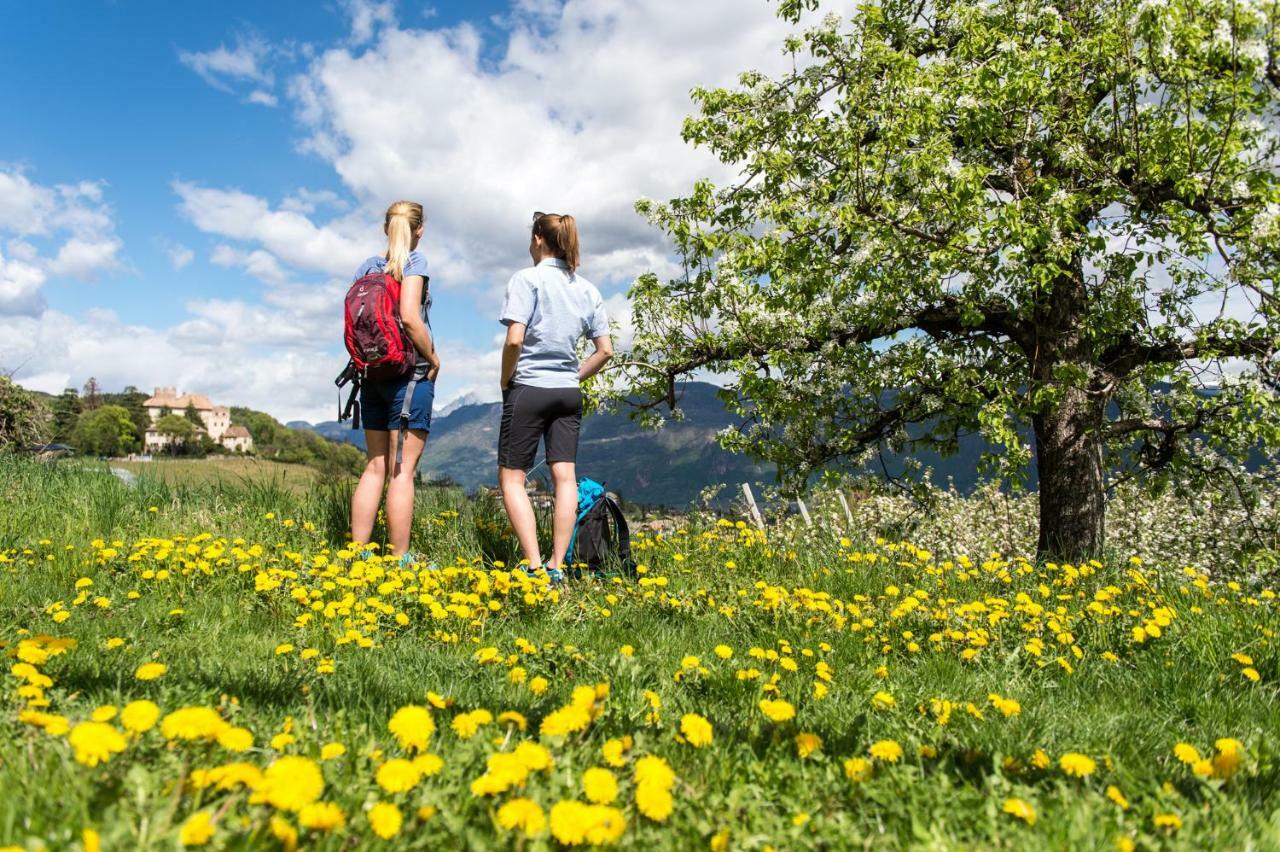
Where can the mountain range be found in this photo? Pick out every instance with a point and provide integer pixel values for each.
(669, 466)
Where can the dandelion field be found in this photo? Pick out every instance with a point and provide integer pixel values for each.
(211, 666)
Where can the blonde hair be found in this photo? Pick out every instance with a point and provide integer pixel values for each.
(403, 220)
(560, 233)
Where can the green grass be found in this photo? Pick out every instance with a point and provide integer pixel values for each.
(224, 470)
(798, 590)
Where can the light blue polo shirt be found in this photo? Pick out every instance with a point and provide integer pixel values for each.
(558, 308)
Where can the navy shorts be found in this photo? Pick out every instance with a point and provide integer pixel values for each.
(381, 403)
(530, 414)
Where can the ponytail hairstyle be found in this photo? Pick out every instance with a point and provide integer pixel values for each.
(560, 233)
(404, 218)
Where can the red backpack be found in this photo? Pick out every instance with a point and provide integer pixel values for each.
(380, 348)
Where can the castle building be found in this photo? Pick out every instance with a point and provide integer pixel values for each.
(215, 420)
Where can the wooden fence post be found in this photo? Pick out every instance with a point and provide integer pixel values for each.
(751, 504)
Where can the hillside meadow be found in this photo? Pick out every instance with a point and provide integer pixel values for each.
(211, 664)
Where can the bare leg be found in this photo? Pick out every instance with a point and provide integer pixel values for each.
(520, 511)
(565, 477)
(400, 491)
(368, 494)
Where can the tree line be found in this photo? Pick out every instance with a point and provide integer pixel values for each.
(98, 423)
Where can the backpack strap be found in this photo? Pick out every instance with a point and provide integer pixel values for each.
(404, 417)
(624, 534)
(352, 410)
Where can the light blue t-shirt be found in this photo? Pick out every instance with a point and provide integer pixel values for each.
(415, 265)
(558, 308)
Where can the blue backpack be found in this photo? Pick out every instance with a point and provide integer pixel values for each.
(601, 539)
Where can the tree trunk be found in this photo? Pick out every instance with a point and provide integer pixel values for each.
(1069, 462)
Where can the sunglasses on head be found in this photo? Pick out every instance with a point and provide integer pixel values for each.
(539, 214)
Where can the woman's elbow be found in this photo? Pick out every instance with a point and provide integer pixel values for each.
(606, 350)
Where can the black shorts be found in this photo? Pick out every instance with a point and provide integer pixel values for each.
(530, 413)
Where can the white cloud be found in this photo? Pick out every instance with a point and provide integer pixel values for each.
(582, 114)
(64, 230)
(260, 264)
(367, 17)
(263, 98)
(25, 207)
(20, 285)
(246, 62)
(84, 258)
(180, 256)
(576, 108)
(291, 236)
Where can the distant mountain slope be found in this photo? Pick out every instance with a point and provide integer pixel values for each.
(668, 466)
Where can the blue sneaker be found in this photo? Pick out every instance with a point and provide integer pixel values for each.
(556, 576)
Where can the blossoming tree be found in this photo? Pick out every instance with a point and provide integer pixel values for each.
(1051, 223)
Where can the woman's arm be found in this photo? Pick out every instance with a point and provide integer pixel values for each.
(411, 316)
(597, 359)
(511, 352)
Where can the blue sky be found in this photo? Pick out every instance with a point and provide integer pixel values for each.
(185, 189)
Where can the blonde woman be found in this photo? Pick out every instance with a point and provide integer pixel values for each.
(396, 413)
(548, 308)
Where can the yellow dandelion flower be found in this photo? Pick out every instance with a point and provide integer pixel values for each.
(331, 750)
(696, 729)
(599, 786)
(290, 784)
(858, 769)
(1077, 765)
(95, 742)
(385, 819)
(887, 750)
(808, 744)
(654, 802)
(524, 815)
(397, 775)
(1186, 753)
(724, 652)
(283, 831)
(538, 685)
(412, 727)
(322, 816)
(613, 751)
(882, 701)
(465, 725)
(1172, 822)
(197, 830)
(139, 716)
(235, 739)
(777, 710)
(1020, 809)
(1114, 794)
(150, 671)
(1229, 757)
(533, 757)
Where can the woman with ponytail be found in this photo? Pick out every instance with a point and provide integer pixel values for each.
(381, 403)
(548, 308)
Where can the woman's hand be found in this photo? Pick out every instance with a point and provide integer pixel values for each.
(433, 366)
